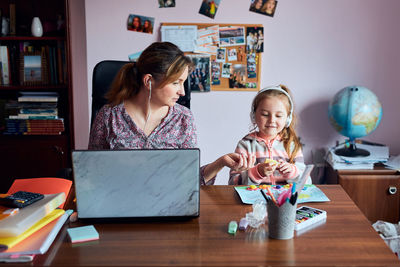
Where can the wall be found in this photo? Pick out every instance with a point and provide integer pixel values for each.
(79, 73)
(314, 47)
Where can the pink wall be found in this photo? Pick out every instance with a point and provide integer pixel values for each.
(314, 47)
(79, 73)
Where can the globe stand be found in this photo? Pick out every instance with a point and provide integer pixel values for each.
(352, 151)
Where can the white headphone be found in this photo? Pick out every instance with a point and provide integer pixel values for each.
(276, 88)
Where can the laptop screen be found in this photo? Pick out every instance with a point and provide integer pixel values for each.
(137, 183)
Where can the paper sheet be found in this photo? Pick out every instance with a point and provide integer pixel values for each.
(184, 36)
(310, 193)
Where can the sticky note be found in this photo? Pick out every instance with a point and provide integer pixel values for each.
(83, 234)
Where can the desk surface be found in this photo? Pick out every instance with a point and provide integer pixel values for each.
(346, 238)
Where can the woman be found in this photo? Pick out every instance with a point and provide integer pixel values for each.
(136, 24)
(269, 7)
(142, 112)
(147, 27)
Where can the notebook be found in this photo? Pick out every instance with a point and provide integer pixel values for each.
(160, 183)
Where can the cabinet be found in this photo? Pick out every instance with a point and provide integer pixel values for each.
(39, 153)
(375, 192)
(377, 196)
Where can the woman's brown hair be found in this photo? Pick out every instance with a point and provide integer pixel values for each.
(163, 60)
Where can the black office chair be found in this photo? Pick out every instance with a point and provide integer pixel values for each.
(103, 75)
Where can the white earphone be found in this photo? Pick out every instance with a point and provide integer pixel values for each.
(276, 88)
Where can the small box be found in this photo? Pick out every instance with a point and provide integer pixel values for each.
(307, 216)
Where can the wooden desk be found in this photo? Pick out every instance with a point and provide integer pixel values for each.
(346, 238)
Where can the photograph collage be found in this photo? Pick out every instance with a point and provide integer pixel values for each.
(224, 56)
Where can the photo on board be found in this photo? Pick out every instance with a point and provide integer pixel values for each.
(232, 54)
(209, 8)
(138, 23)
(255, 39)
(166, 3)
(199, 78)
(264, 7)
(226, 70)
(231, 36)
(221, 52)
(251, 66)
(238, 77)
(215, 73)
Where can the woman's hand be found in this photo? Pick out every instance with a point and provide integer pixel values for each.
(238, 162)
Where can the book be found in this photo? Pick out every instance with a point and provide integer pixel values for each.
(8, 242)
(40, 241)
(13, 20)
(5, 64)
(33, 98)
(16, 224)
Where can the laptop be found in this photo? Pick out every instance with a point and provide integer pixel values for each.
(118, 184)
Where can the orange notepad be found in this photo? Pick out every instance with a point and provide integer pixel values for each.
(47, 185)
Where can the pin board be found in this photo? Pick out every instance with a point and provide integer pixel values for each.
(231, 52)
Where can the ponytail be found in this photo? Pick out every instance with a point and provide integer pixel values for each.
(163, 60)
(125, 85)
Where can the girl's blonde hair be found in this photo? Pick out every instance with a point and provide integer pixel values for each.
(288, 134)
(163, 60)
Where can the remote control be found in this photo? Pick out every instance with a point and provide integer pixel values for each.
(20, 199)
(306, 216)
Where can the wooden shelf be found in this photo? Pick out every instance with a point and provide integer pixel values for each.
(31, 38)
(33, 87)
(28, 156)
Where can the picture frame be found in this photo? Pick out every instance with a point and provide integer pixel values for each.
(33, 68)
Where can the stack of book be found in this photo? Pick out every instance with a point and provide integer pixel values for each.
(35, 113)
(378, 154)
(32, 229)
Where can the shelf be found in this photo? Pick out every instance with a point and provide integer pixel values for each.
(6, 138)
(33, 87)
(31, 38)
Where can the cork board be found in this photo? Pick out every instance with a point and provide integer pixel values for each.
(236, 66)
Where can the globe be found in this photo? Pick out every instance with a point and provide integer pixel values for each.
(354, 112)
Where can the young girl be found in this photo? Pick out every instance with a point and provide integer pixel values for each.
(274, 143)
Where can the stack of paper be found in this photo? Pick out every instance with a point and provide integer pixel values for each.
(33, 229)
(378, 154)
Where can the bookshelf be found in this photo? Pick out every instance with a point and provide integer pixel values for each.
(35, 150)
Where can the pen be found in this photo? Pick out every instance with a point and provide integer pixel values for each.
(272, 195)
(293, 187)
(264, 195)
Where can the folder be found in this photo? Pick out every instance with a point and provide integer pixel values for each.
(45, 185)
(40, 241)
(9, 242)
(15, 225)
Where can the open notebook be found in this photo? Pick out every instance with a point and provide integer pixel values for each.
(137, 183)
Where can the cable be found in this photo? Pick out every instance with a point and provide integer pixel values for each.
(148, 108)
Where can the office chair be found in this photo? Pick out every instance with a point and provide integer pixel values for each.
(103, 75)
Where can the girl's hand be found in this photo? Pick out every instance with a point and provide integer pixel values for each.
(266, 169)
(284, 167)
